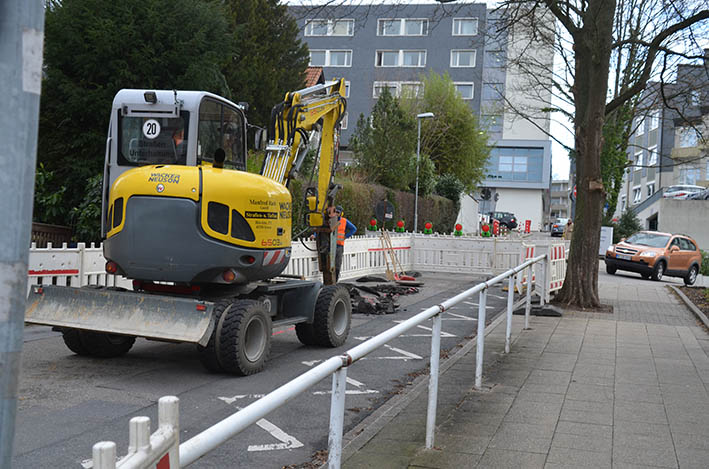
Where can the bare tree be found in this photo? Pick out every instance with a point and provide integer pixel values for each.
(589, 34)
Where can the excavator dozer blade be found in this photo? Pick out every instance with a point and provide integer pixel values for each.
(121, 312)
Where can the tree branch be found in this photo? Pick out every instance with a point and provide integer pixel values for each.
(563, 18)
(654, 47)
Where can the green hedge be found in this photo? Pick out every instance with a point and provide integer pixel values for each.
(705, 263)
(358, 201)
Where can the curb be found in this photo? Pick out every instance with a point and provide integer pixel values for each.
(368, 428)
(697, 312)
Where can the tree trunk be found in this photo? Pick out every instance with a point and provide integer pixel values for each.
(592, 46)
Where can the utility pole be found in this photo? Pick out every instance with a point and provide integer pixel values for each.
(21, 41)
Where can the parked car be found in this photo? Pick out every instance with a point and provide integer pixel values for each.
(681, 191)
(653, 255)
(701, 195)
(505, 218)
(557, 228)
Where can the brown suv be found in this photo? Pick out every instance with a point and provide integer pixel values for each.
(654, 254)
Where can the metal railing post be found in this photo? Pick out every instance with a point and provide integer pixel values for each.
(510, 303)
(528, 305)
(482, 306)
(433, 380)
(337, 418)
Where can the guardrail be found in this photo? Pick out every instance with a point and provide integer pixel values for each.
(209, 439)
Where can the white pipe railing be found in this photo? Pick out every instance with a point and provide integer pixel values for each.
(201, 444)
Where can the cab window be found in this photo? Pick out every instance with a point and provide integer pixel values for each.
(675, 242)
(221, 127)
(152, 140)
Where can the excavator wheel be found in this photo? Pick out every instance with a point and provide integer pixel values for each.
(97, 344)
(331, 321)
(208, 354)
(244, 338)
(72, 339)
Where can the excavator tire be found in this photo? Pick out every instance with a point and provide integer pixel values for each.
(104, 345)
(244, 338)
(305, 333)
(72, 339)
(332, 317)
(208, 354)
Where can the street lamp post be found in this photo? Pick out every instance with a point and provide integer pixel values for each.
(423, 115)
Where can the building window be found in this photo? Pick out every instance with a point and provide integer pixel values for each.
(694, 98)
(402, 27)
(465, 26)
(623, 203)
(654, 119)
(652, 160)
(343, 122)
(347, 89)
(650, 189)
(689, 176)
(463, 58)
(380, 86)
(319, 27)
(641, 126)
(330, 58)
(639, 157)
(466, 90)
(409, 89)
(688, 137)
(400, 58)
(512, 164)
(637, 194)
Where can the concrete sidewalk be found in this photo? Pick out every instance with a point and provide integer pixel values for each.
(622, 390)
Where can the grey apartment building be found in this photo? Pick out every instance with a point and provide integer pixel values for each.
(666, 147)
(374, 47)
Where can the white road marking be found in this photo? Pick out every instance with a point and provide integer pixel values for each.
(443, 334)
(230, 400)
(286, 441)
(353, 382)
(457, 317)
(497, 296)
(477, 304)
(403, 352)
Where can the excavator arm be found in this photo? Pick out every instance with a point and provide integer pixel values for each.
(301, 116)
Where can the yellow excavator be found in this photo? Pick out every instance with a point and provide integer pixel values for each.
(204, 241)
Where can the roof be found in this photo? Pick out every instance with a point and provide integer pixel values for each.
(313, 76)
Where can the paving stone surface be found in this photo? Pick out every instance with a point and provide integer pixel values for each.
(628, 389)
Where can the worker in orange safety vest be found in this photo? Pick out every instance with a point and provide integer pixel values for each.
(345, 229)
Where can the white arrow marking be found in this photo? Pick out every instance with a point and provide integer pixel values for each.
(287, 441)
(230, 400)
(311, 363)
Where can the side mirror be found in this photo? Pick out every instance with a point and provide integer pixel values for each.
(674, 249)
(260, 139)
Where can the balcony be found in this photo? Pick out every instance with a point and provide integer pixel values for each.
(687, 152)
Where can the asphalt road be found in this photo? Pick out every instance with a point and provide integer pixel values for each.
(67, 403)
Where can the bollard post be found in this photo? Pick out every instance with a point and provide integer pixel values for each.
(482, 300)
(433, 380)
(510, 302)
(528, 306)
(337, 418)
(104, 455)
(169, 415)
